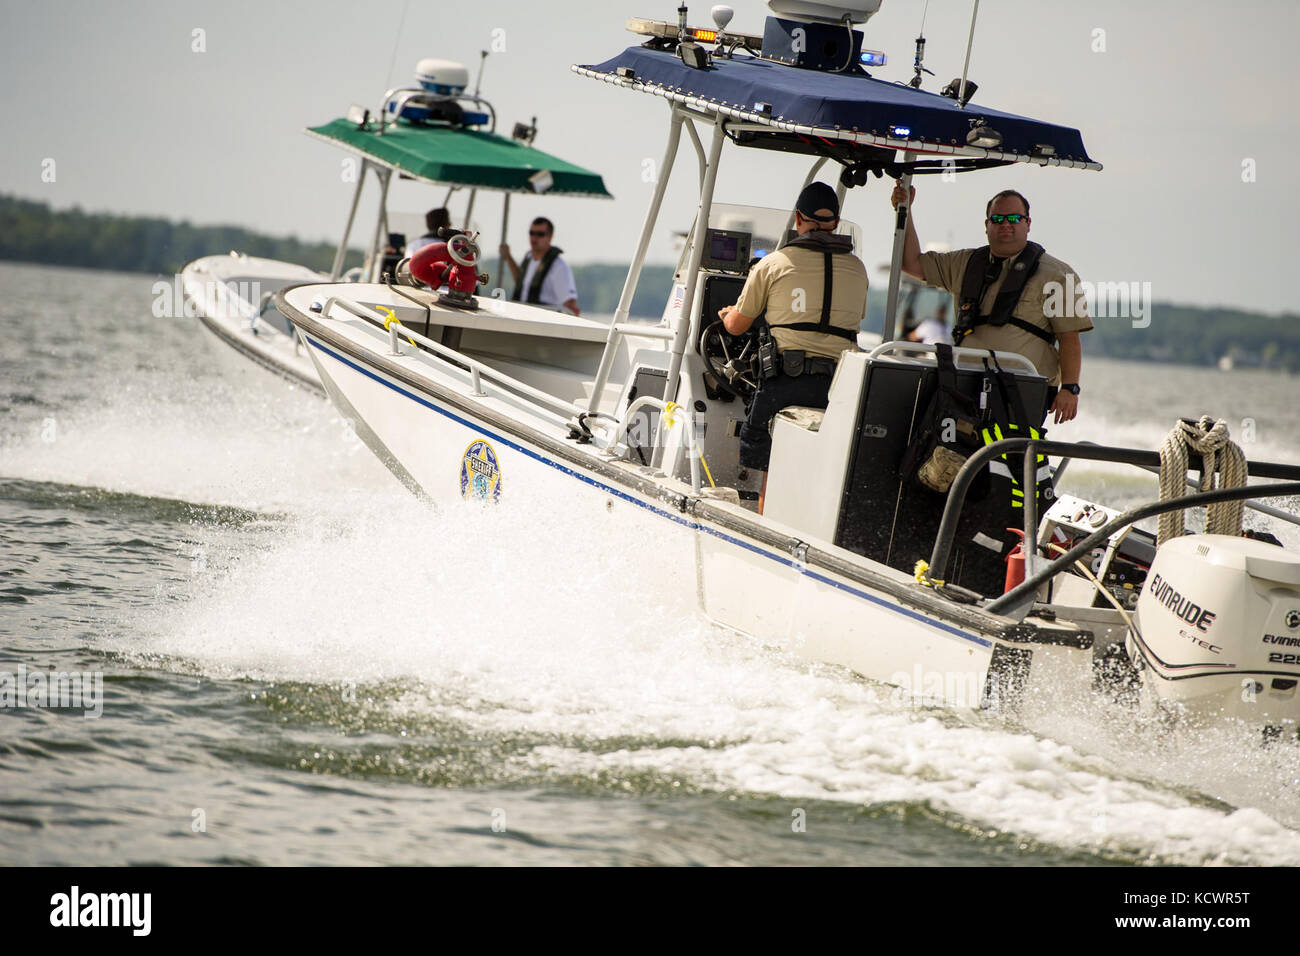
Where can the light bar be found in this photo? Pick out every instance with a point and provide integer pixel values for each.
(873, 58)
(668, 31)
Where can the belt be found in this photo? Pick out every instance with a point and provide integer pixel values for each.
(796, 362)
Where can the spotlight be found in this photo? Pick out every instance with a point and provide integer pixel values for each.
(983, 135)
(953, 90)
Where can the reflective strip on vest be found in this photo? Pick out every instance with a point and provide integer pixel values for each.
(1001, 465)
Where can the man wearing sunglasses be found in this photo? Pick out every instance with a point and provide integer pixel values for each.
(1015, 322)
(545, 278)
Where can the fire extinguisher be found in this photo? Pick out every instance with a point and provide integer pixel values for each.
(1015, 562)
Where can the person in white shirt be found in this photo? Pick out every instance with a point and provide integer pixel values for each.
(928, 331)
(434, 220)
(545, 278)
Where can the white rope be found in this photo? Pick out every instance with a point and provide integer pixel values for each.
(1222, 459)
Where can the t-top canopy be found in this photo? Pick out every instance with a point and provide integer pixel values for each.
(462, 157)
(847, 107)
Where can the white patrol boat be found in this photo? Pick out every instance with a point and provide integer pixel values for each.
(434, 132)
(859, 559)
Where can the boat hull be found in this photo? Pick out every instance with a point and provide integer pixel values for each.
(225, 292)
(428, 433)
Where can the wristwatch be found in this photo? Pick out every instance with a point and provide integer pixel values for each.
(1072, 389)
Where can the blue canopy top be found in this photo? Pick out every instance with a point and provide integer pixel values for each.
(849, 107)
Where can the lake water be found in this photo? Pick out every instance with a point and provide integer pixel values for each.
(303, 664)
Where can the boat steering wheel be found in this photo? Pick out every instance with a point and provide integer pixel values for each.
(463, 250)
(728, 359)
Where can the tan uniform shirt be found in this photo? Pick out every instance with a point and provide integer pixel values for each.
(789, 284)
(946, 269)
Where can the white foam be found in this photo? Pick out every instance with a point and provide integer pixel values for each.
(517, 625)
(249, 441)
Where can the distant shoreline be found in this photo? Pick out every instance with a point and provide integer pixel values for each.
(31, 232)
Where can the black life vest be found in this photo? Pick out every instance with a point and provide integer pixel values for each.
(539, 276)
(981, 272)
(828, 248)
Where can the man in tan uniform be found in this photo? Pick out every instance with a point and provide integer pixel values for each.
(814, 290)
(1051, 342)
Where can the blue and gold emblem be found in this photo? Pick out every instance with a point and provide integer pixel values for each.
(480, 472)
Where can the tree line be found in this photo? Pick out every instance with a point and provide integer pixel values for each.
(32, 232)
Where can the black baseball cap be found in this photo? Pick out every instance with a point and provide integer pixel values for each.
(818, 196)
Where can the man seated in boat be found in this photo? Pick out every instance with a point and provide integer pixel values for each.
(814, 290)
(545, 278)
(434, 220)
(1026, 319)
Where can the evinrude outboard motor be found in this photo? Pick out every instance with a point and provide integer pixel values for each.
(1218, 628)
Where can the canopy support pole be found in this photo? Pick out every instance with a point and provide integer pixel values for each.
(337, 268)
(372, 259)
(469, 208)
(891, 332)
(699, 150)
(970, 40)
(638, 260)
(505, 231)
(692, 276)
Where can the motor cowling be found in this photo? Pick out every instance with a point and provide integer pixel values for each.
(1218, 627)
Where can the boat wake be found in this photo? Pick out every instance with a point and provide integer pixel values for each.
(245, 440)
(516, 633)
(551, 663)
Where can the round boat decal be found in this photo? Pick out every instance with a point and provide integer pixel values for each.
(480, 472)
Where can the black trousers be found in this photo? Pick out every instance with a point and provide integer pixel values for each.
(774, 394)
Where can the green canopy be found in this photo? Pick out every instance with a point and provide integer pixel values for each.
(461, 157)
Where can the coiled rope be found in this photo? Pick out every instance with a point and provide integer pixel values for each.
(1222, 459)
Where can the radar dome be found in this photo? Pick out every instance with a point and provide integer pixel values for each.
(817, 11)
(445, 77)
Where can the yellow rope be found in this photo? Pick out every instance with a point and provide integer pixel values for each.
(670, 419)
(392, 317)
(922, 575)
(707, 473)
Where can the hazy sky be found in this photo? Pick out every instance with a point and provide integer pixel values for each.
(1184, 92)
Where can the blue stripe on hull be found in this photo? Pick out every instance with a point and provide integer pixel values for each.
(559, 466)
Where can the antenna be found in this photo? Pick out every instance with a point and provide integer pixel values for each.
(961, 90)
(920, 52)
(397, 39)
(482, 62)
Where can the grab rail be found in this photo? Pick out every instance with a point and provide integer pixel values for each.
(667, 418)
(1030, 585)
(1032, 448)
(404, 94)
(1250, 503)
(478, 370)
(1010, 361)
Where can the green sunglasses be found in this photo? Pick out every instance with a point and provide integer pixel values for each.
(997, 219)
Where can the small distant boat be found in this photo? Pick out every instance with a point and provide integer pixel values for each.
(434, 133)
